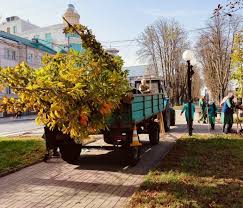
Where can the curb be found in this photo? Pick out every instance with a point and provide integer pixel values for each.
(14, 170)
(2, 120)
(8, 172)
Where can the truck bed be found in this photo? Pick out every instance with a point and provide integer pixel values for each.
(141, 108)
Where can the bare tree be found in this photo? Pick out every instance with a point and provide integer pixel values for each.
(162, 44)
(215, 47)
(196, 83)
(229, 8)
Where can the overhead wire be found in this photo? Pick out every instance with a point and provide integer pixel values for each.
(60, 46)
(121, 41)
(137, 39)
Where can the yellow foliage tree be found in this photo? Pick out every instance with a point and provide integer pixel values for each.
(237, 60)
(75, 91)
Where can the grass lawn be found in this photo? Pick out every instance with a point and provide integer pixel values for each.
(18, 152)
(202, 171)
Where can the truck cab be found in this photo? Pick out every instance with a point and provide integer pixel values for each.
(156, 86)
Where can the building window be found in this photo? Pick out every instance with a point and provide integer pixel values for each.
(13, 54)
(30, 58)
(6, 53)
(9, 54)
(8, 29)
(14, 29)
(39, 58)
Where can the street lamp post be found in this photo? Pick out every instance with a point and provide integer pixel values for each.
(188, 56)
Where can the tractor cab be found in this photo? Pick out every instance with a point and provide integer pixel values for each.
(155, 85)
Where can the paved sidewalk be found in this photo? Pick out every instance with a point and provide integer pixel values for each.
(102, 179)
(199, 128)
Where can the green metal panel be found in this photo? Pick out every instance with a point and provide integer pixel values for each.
(148, 98)
(148, 112)
(156, 105)
(139, 110)
(138, 99)
(137, 116)
(148, 104)
(137, 106)
(157, 110)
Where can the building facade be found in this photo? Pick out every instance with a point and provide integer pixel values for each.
(15, 25)
(15, 50)
(51, 36)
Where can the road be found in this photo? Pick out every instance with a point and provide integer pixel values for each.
(27, 127)
(20, 127)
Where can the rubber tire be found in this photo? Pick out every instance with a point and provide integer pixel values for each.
(154, 131)
(172, 117)
(166, 118)
(134, 155)
(107, 136)
(70, 153)
(108, 140)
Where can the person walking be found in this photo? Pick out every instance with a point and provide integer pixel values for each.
(227, 113)
(203, 110)
(186, 110)
(212, 114)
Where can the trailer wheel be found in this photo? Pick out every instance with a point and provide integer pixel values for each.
(107, 137)
(108, 140)
(70, 151)
(134, 155)
(154, 133)
(172, 117)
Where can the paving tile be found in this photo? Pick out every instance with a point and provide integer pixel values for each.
(98, 182)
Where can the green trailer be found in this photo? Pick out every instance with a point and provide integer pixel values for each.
(142, 115)
(141, 107)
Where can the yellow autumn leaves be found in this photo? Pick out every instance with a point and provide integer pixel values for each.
(237, 62)
(75, 92)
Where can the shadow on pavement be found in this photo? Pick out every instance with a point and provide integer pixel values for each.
(117, 161)
(197, 129)
(106, 187)
(178, 128)
(114, 161)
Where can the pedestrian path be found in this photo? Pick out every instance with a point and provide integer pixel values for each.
(200, 128)
(101, 180)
